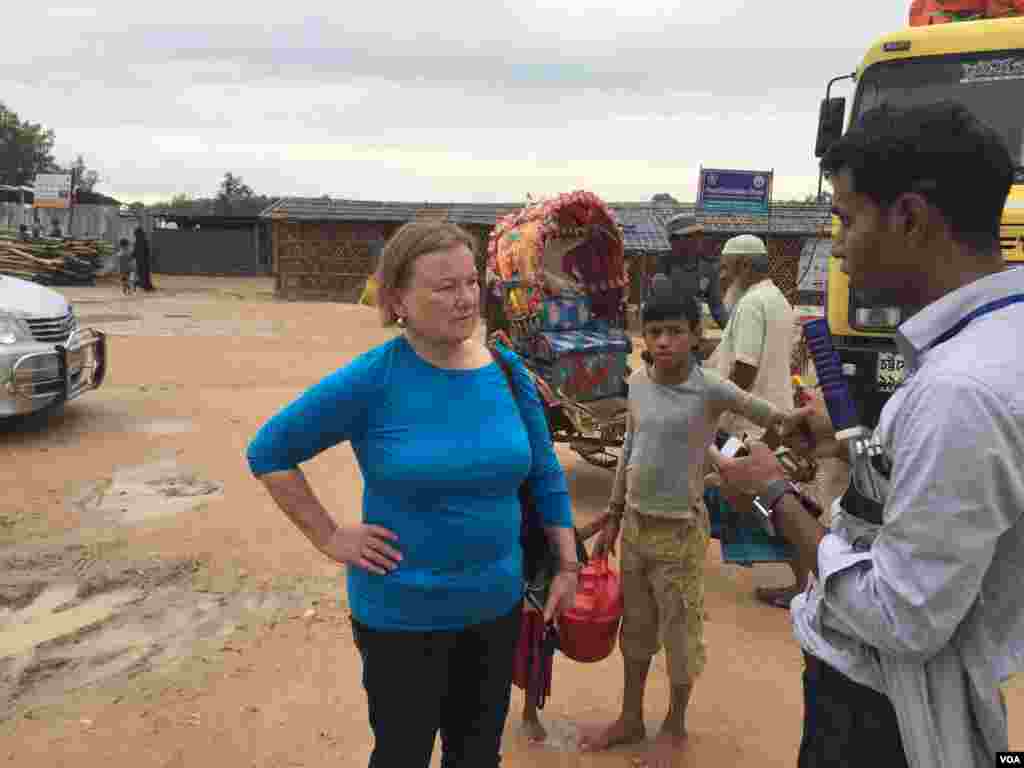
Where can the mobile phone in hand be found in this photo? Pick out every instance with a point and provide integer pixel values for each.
(730, 446)
(733, 448)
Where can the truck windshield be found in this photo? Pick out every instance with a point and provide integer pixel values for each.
(988, 84)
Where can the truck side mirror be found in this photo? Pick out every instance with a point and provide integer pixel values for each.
(830, 124)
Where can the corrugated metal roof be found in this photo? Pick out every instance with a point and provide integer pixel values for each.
(306, 209)
(641, 229)
(643, 222)
(480, 213)
(212, 208)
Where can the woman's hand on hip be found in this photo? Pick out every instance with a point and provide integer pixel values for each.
(364, 546)
(561, 594)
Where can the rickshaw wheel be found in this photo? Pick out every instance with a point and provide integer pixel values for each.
(599, 457)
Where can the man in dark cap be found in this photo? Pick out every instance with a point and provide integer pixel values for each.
(691, 269)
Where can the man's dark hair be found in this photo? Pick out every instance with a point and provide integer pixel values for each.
(940, 151)
(661, 310)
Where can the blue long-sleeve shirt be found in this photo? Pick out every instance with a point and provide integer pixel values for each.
(443, 453)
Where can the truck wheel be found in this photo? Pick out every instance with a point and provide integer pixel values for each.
(32, 421)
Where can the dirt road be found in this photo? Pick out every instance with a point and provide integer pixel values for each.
(156, 610)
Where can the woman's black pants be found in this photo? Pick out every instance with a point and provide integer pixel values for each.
(457, 682)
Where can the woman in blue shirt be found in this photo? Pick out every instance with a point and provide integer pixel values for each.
(435, 567)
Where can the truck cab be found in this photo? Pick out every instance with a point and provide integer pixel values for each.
(979, 63)
(46, 359)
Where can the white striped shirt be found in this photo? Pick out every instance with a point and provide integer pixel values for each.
(933, 614)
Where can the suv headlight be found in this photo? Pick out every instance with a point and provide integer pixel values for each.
(10, 330)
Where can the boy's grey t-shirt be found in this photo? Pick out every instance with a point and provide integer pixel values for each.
(661, 472)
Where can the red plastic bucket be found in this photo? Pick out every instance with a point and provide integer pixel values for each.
(587, 631)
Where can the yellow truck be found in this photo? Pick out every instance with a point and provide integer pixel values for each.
(979, 63)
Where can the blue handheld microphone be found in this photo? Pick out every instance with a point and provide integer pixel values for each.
(841, 408)
(868, 489)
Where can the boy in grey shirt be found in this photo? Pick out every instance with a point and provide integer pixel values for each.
(657, 500)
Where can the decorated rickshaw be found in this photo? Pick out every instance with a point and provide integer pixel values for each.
(555, 293)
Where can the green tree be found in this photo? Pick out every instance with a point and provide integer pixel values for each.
(87, 178)
(26, 149)
(181, 200)
(178, 200)
(232, 189)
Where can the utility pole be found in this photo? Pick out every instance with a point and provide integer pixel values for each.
(71, 204)
(21, 198)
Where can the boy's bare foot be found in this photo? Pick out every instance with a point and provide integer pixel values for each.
(665, 750)
(535, 732)
(622, 731)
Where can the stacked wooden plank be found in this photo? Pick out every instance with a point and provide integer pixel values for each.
(52, 261)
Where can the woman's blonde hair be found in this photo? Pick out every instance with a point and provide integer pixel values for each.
(411, 241)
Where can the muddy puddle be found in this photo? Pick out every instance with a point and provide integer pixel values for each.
(166, 426)
(160, 488)
(72, 616)
(78, 610)
(562, 735)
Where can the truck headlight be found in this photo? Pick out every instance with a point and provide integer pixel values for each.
(9, 330)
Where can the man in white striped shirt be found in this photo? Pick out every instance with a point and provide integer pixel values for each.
(916, 618)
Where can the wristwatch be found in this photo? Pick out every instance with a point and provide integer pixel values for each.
(765, 503)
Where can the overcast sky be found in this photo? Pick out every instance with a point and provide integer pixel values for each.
(479, 101)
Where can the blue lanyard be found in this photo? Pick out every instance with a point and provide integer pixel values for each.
(985, 309)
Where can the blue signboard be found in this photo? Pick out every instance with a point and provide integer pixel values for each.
(734, 191)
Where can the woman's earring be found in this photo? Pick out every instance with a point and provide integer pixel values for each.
(400, 320)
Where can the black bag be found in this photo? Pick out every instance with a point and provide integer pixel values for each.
(538, 556)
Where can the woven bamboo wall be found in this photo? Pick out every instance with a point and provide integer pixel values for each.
(784, 263)
(783, 257)
(482, 233)
(327, 261)
(330, 261)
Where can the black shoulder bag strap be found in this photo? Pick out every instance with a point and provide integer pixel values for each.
(537, 555)
(537, 552)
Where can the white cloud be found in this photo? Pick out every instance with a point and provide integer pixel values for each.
(180, 145)
(453, 100)
(71, 13)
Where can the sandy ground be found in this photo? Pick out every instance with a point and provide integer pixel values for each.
(157, 610)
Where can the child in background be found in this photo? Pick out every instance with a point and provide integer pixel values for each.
(657, 499)
(126, 262)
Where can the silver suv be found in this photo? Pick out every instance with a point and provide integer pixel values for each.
(45, 358)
